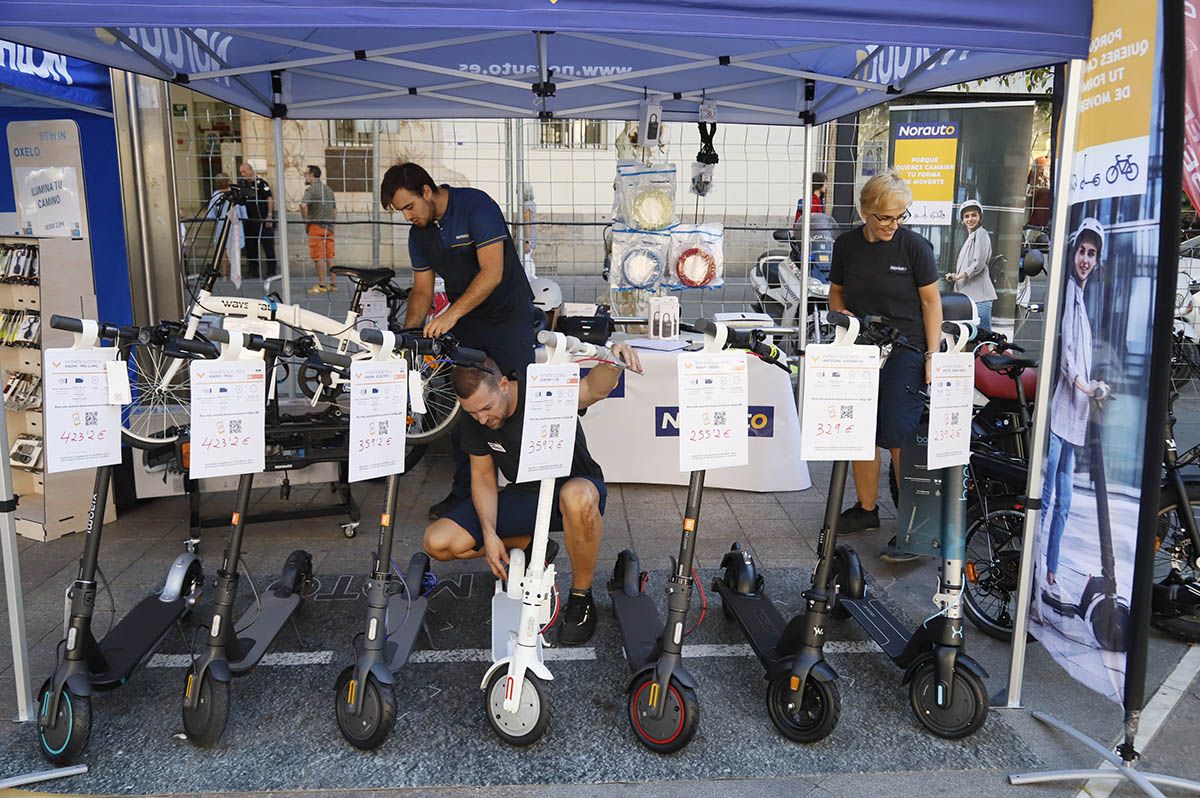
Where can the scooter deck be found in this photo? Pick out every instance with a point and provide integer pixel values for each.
(268, 619)
(135, 637)
(883, 627)
(637, 618)
(402, 638)
(761, 622)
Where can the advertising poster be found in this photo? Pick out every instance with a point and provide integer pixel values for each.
(925, 156)
(1191, 122)
(47, 179)
(1085, 545)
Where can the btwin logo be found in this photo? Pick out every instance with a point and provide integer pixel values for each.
(759, 418)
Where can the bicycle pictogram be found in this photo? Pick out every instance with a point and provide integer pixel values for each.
(1123, 167)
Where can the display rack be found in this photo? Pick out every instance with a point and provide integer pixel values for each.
(59, 281)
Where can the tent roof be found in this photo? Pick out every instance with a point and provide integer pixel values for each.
(445, 58)
(33, 78)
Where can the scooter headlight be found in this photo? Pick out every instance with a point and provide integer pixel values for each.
(817, 288)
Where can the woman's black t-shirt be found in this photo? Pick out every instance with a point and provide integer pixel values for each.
(881, 278)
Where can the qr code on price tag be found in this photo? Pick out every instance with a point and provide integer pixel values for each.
(718, 418)
(383, 427)
(90, 419)
(954, 418)
(554, 430)
(235, 426)
(847, 411)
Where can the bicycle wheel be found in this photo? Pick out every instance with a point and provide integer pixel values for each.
(441, 403)
(992, 565)
(161, 406)
(1173, 550)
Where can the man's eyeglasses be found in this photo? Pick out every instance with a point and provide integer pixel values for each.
(892, 219)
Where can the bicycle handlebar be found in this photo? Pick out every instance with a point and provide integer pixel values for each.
(750, 340)
(106, 332)
(874, 330)
(445, 345)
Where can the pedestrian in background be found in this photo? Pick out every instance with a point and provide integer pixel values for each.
(260, 221)
(529, 217)
(318, 207)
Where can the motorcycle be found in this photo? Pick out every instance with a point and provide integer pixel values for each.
(777, 277)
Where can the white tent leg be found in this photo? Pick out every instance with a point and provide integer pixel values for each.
(281, 203)
(805, 253)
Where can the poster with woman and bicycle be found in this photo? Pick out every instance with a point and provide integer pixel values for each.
(1087, 535)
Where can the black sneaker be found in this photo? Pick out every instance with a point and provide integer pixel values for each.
(444, 506)
(551, 551)
(856, 519)
(894, 553)
(578, 621)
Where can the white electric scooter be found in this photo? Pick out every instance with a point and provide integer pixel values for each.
(514, 693)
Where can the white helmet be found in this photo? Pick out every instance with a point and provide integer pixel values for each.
(1091, 225)
(971, 203)
(547, 296)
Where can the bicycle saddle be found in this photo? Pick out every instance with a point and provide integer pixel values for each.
(369, 278)
(997, 362)
(990, 382)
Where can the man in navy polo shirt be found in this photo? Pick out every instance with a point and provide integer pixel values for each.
(459, 234)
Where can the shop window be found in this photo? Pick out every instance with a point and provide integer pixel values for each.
(349, 157)
(577, 133)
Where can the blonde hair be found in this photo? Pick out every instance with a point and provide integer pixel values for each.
(882, 191)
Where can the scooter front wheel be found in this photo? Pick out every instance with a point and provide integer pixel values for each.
(370, 727)
(968, 707)
(808, 718)
(680, 716)
(525, 726)
(63, 738)
(205, 723)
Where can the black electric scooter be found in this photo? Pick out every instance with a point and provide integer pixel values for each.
(1105, 613)
(663, 709)
(88, 664)
(235, 649)
(365, 692)
(946, 690)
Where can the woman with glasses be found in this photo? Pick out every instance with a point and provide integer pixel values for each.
(885, 269)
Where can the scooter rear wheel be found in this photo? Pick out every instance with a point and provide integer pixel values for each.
(63, 742)
(375, 721)
(968, 707)
(525, 726)
(205, 723)
(679, 721)
(810, 719)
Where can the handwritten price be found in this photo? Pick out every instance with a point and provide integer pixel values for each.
(224, 442)
(378, 442)
(835, 429)
(546, 445)
(709, 434)
(79, 437)
(951, 434)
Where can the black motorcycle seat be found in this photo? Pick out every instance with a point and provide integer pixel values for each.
(997, 362)
(369, 278)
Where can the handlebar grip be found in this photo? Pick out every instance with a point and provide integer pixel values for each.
(466, 356)
(202, 348)
(838, 318)
(705, 326)
(215, 334)
(68, 323)
(331, 358)
(371, 336)
(545, 337)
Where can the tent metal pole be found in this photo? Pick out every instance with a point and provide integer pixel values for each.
(285, 269)
(805, 253)
(12, 587)
(376, 154)
(1041, 418)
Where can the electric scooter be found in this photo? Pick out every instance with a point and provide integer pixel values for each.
(88, 664)
(365, 692)
(1104, 612)
(661, 700)
(234, 649)
(946, 690)
(514, 694)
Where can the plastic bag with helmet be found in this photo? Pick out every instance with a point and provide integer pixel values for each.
(547, 299)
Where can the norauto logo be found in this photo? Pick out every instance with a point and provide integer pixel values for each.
(935, 130)
(759, 418)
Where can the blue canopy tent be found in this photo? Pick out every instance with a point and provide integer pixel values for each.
(382, 59)
(801, 62)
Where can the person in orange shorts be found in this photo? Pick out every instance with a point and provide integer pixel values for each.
(319, 209)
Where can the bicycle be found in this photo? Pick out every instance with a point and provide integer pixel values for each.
(1124, 167)
(160, 410)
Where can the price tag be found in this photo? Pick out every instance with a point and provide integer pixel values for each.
(83, 429)
(551, 413)
(228, 434)
(951, 402)
(841, 397)
(713, 407)
(119, 392)
(378, 418)
(416, 392)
